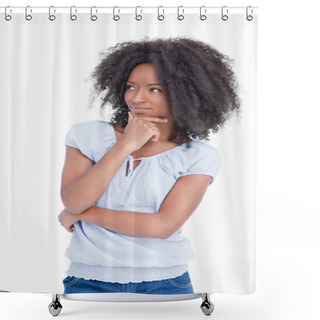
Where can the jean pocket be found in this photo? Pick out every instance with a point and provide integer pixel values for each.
(69, 281)
(181, 281)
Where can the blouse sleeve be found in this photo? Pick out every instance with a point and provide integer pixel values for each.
(91, 138)
(202, 159)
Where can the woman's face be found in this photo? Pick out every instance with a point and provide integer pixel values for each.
(144, 95)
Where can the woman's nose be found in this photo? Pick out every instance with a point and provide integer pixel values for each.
(139, 97)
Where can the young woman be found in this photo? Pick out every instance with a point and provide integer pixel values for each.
(129, 185)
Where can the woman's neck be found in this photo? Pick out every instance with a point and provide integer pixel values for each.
(166, 130)
(151, 148)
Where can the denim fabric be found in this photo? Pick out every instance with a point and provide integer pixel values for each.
(178, 285)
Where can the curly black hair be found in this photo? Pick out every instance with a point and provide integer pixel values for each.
(198, 82)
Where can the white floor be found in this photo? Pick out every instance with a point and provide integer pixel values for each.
(288, 289)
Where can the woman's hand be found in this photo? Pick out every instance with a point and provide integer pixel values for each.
(140, 130)
(68, 219)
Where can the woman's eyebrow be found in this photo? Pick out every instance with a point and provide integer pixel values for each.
(154, 84)
(149, 84)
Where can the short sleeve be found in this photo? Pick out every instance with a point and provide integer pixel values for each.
(92, 138)
(202, 159)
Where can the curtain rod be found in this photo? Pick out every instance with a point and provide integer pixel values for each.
(138, 10)
(125, 7)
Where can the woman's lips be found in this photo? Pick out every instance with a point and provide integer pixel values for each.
(138, 109)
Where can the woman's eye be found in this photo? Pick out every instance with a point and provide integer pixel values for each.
(155, 90)
(129, 87)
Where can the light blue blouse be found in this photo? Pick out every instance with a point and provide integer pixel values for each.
(100, 254)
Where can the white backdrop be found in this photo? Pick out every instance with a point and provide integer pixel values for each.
(44, 90)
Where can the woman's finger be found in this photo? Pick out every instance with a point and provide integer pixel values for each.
(151, 119)
(156, 135)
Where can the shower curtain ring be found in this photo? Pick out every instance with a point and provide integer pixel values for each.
(138, 16)
(180, 15)
(28, 16)
(7, 16)
(93, 16)
(160, 16)
(224, 13)
(249, 16)
(203, 13)
(116, 17)
(73, 16)
(52, 17)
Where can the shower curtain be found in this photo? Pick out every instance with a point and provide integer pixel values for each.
(47, 57)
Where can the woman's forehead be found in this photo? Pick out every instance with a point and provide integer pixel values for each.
(144, 71)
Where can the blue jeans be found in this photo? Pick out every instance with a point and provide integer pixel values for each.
(178, 285)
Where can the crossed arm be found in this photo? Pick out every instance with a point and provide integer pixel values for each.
(175, 210)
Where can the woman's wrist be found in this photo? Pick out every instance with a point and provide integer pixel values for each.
(126, 145)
